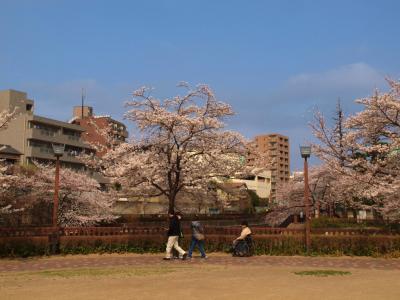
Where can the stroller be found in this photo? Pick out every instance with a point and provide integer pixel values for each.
(243, 248)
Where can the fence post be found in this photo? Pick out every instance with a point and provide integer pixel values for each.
(54, 241)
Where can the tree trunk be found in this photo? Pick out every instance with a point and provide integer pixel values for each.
(171, 204)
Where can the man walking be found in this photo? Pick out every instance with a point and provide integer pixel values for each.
(174, 232)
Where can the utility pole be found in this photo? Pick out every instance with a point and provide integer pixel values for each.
(83, 95)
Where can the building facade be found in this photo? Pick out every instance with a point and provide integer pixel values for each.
(259, 182)
(277, 147)
(33, 136)
(102, 131)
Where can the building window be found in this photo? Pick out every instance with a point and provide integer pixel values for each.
(42, 146)
(72, 134)
(44, 129)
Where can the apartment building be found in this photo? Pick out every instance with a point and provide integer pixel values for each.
(97, 127)
(33, 136)
(258, 181)
(277, 146)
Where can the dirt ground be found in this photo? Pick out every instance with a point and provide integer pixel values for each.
(198, 281)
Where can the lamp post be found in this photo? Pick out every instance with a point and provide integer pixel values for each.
(306, 153)
(58, 152)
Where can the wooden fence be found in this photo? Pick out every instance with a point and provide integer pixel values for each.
(221, 231)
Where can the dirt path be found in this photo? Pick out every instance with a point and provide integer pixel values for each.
(94, 277)
(220, 259)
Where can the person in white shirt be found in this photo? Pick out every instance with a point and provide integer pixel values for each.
(245, 232)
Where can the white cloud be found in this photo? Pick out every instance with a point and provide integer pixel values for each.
(288, 108)
(353, 80)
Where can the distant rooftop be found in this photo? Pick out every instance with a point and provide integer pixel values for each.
(7, 149)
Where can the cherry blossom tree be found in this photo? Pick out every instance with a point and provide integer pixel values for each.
(290, 195)
(8, 182)
(82, 202)
(180, 146)
(5, 118)
(7, 179)
(365, 161)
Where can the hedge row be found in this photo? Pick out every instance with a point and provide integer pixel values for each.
(24, 247)
(263, 245)
(326, 222)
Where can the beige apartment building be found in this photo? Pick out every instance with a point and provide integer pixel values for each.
(33, 135)
(259, 182)
(277, 146)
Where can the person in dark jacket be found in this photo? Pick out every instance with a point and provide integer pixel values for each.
(174, 232)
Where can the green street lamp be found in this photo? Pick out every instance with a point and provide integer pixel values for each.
(305, 152)
(58, 150)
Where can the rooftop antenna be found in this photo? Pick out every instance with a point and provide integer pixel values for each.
(83, 96)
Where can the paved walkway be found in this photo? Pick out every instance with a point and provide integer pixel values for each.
(115, 260)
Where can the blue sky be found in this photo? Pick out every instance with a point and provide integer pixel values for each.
(273, 61)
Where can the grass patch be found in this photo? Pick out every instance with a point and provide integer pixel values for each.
(322, 273)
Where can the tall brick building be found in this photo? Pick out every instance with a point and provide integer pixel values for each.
(277, 146)
(92, 124)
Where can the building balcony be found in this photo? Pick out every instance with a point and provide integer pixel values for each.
(54, 137)
(43, 153)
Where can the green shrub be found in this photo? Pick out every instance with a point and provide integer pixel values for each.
(24, 246)
(326, 222)
(355, 245)
(255, 199)
(359, 245)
